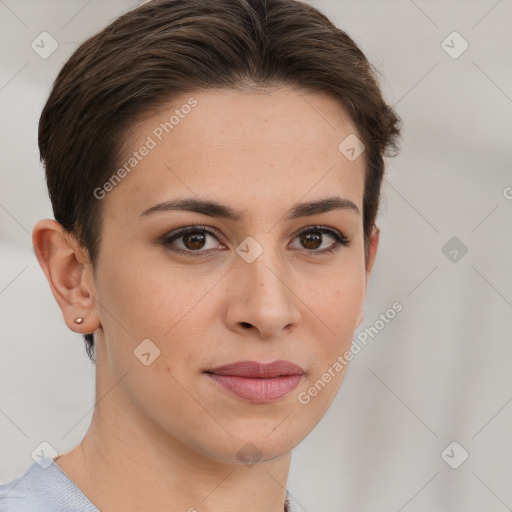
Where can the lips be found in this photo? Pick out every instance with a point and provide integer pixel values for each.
(254, 370)
(258, 382)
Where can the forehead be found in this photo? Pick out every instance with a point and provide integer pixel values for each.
(280, 144)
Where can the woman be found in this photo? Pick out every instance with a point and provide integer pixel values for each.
(214, 170)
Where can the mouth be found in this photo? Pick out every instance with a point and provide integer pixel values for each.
(258, 382)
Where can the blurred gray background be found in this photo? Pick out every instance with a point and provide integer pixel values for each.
(438, 373)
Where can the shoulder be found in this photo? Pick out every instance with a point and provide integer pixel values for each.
(43, 488)
(18, 494)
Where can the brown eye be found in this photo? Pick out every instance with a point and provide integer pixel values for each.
(311, 240)
(192, 240)
(314, 238)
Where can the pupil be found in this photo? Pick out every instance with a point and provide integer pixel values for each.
(194, 241)
(311, 240)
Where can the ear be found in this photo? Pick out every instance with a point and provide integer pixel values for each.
(370, 260)
(69, 273)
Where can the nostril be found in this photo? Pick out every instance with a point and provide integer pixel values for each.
(246, 324)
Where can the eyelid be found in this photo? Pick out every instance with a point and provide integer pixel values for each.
(190, 228)
(335, 233)
(179, 232)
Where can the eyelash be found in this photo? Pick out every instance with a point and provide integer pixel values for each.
(340, 239)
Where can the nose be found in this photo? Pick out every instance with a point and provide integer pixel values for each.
(262, 297)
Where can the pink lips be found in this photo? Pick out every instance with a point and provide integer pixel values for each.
(258, 382)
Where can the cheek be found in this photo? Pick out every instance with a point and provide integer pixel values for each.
(336, 312)
(143, 299)
(338, 300)
(155, 302)
(336, 309)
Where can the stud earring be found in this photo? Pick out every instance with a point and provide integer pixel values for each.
(79, 320)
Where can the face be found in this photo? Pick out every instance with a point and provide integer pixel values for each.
(180, 292)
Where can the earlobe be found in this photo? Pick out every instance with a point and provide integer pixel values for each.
(65, 267)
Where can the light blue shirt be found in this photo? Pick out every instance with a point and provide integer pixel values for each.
(44, 487)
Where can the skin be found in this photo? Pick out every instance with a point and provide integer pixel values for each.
(168, 425)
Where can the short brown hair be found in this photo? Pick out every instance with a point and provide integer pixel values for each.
(164, 48)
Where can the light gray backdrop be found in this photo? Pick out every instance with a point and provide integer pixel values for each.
(438, 373)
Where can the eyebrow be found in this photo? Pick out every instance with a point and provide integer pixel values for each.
(214, 209)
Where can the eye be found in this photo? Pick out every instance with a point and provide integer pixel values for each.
(313, 239)
(192, 240)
